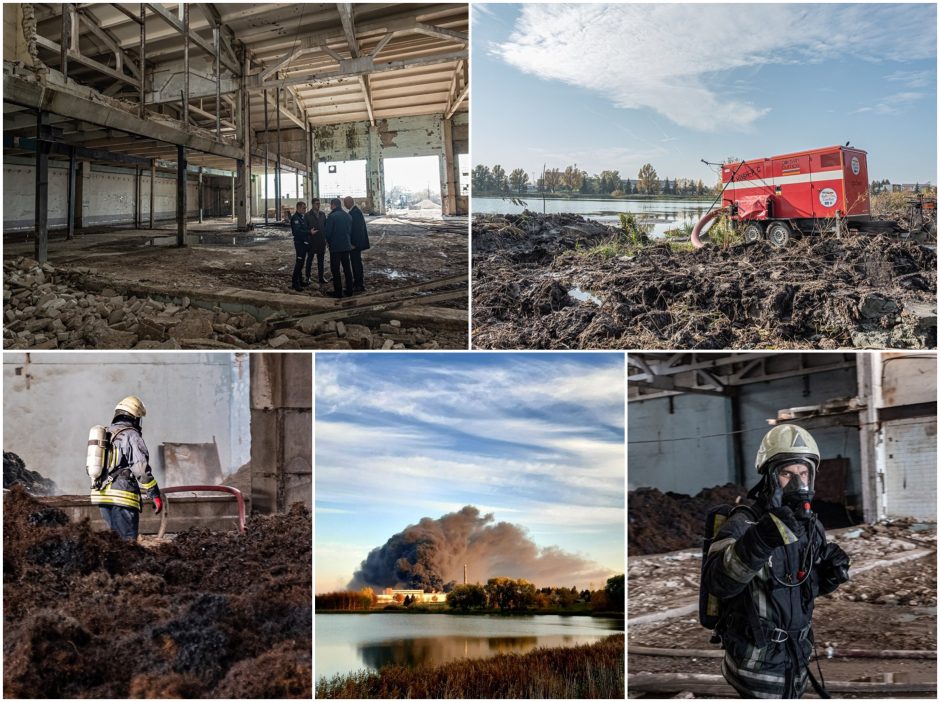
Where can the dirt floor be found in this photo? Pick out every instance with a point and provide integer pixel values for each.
(241, 279)
(560, 281)
(882, 607)
(208, 614)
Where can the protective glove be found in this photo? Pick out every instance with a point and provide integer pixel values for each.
(157, 505)
(834, 565)
(776, 528)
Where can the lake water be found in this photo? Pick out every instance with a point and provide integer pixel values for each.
(661, 215)
(350, 642)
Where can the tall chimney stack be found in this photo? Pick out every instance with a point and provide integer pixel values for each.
(464, 573)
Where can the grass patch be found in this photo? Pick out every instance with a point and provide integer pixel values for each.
(590, 671)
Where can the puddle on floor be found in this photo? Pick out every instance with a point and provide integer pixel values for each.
(585, 296)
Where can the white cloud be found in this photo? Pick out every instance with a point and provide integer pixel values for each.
(670, 57)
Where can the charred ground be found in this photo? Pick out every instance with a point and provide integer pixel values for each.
(826, 293)
(210, 614)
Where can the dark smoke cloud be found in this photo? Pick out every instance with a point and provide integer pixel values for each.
(430, 555)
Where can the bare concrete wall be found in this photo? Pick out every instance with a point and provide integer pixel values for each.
(51, 400)
(281, 430)
(108, 196)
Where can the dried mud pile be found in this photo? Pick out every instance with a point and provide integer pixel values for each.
(15, 472)
(207, 615)
(825, 293)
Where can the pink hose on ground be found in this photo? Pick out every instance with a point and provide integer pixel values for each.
(697, 230)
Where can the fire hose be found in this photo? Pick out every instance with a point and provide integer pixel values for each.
(239, 500)
(697, 229)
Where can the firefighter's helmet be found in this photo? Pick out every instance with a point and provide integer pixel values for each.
(786, 442)
(131, 405)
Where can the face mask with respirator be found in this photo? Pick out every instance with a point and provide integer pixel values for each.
(797, 493)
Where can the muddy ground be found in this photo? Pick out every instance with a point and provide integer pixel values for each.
(208, 614)
(887, 607)
(87, 275)
(560, 281)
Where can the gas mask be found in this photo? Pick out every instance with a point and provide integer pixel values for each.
(792, 482)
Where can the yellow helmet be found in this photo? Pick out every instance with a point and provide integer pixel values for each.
(786, 442)
(133, 406)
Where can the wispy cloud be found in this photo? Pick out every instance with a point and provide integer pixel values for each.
(671, 58)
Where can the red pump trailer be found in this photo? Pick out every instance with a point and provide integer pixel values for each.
(802, 191)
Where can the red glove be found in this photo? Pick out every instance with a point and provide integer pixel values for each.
(157, 505)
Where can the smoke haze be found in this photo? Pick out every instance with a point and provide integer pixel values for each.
(430, 555)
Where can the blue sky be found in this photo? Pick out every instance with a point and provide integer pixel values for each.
(537, 440)
(616, 86)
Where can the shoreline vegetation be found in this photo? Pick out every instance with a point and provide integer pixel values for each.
(533, 196)
(419, 609)
(593, 671)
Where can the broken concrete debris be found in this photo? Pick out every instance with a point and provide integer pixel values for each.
(45, 309)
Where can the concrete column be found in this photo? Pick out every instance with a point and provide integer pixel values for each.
(200, 203)
(82, 194)
(242, 206)
(181, 195)
(375, 176)
(153, 180)
(137, 195)
(868, 369)
(42, 187)
(232, 198)
(281, 403)
(70, 206)
(450, 170)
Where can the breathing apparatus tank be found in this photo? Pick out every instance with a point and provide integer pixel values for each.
(98, 442)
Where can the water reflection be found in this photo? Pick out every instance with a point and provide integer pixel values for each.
(345, 643)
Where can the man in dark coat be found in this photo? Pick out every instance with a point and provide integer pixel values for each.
(338, 230)
(301, 233)
(360, 242)
(768, 563)
(316, 223)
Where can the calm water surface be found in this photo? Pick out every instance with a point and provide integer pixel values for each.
(660, 214)
(349, 642)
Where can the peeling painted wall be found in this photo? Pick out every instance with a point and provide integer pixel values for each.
(108, 198)
(51, 400)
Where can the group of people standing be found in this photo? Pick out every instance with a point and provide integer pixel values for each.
(343, 231)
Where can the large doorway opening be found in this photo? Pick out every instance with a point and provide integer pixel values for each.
(341, 178)
(413, 186)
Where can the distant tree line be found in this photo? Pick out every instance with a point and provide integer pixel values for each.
(514, 595)
(348, 600)
(495, 180)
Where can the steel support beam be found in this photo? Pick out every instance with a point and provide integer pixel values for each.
(153, 179)
(137, 195)
(181, 196)
(143, 59)
(216, 31)
(70, 195)
(277, 163)
(199, 195)
(42, 188)
(178, 25)
(185, 63)
(266, 136)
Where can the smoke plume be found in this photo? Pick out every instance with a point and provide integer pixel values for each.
(430, 555)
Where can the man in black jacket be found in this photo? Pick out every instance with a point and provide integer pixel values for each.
(360, 242)
(301, 233)
(768, 563)
(316, 223)
(338, 229)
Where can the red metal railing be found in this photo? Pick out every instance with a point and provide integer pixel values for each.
(239, 499)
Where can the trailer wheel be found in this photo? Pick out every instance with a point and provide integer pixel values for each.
(753, 232)
(778, 234)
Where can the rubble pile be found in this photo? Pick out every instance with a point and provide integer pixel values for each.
(560, 281)
(209, 614)
(44, 308)
(15, 472)
(661, 522)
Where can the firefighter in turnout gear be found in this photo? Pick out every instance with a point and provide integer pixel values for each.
(126, 472)
(768, 563)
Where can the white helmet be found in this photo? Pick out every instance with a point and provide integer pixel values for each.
(131, 405)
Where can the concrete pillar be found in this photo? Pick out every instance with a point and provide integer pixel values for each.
(232, 197)
(199, 195)
(42, 187)
(153, 180)
(868, 369)
(450, 171)
(181, 195)
(375, 175)
(281, 400)
(82, 194)
(70, 196)
(242, 206)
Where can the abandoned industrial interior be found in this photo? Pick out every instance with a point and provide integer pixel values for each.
(695, 423)
(153, 155)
